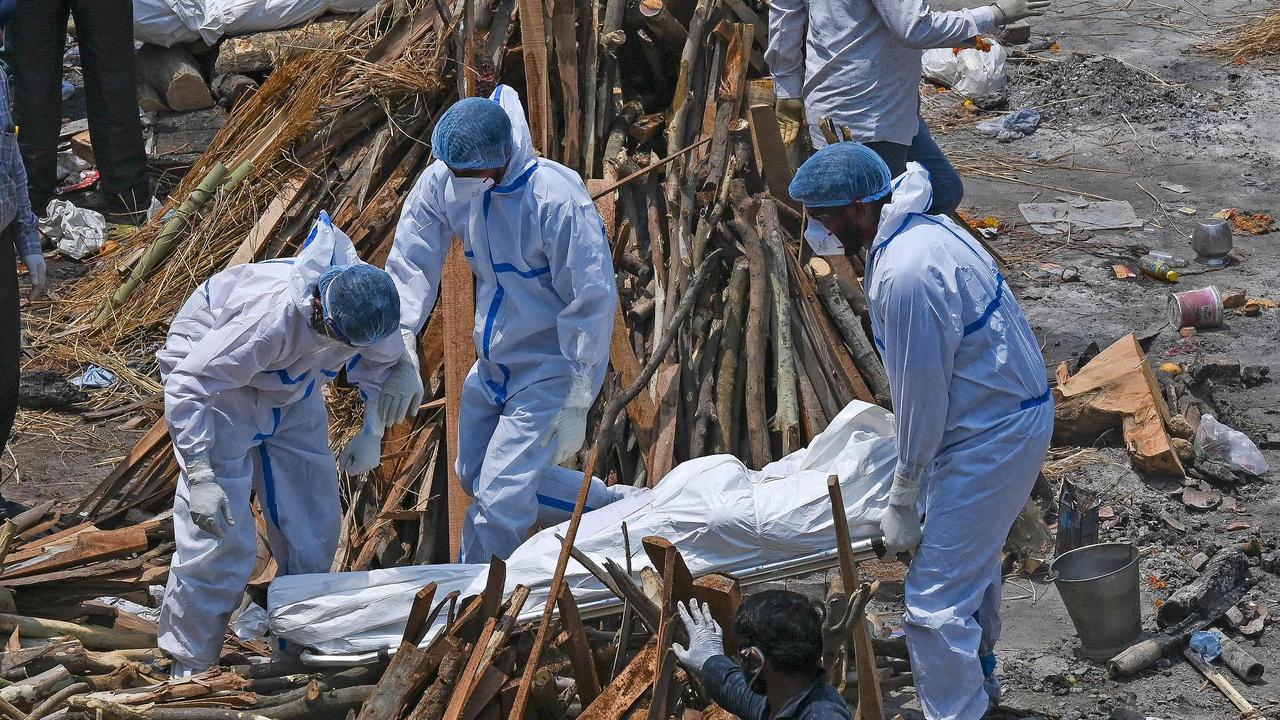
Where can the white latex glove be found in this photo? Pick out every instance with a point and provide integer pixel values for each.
(402, 392)
(36, 273)
(206, 500)
(1015, 10)
(569, 428)
(363, 453)
(900, 525)
(706, 639)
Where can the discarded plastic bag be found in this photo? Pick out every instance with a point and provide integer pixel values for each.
(1215, 441)
(78, 232)
(1014, 126)
(1206, 644)
(970, 72)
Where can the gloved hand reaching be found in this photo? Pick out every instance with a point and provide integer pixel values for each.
(36, 273)
(1015, 10)
(402, 392)
(790, 112)
(900, 523)
(569, 428)
(206, 500)
(364, 452)
(706, 639)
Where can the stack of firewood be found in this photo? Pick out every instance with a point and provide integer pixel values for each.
(730, 336)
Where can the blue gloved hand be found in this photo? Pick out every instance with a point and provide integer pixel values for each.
(569, 428)
(402, 392)
(706, 639)
(206, 500)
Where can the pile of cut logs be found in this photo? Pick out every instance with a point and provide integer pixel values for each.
(730, 337)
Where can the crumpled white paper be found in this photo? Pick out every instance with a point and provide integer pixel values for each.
(77, 232)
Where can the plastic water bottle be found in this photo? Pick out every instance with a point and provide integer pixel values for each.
(1157, 268)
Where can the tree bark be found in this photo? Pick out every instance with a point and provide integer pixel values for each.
(786, 419)
(728, 385)
(864, 354)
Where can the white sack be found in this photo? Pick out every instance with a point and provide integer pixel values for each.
(722, 517)
(167, 22)
(970, 72)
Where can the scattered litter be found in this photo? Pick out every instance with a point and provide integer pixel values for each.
(1234, 298)
(1168, 258)
(1174, 187)
(1196, 499)
(1254, 223)
(1154, 267)
(1200, 308)
(1188, 211)
(78, 232)
(1122, 272)
(1014, 126)
(1106, 215)
(95, 378)
(1216, 441)
(1206, 645)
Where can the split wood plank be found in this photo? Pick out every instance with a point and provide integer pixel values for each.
(533, 33)
(457, 302)
(870, 700)
(408, 668)
(723, 595)
(584, 666)
(563, 23)
(626, 689)
(264, 229)
(1118, 387)
(664, 444)
(83, 549)
(622, 356)
(157, 433)
(771, 154)
(677, 585)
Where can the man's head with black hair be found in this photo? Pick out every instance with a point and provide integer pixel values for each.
(786, 628)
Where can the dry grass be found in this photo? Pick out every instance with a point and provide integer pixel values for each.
(1254, 39)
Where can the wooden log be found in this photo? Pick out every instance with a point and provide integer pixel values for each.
(98, 638)
(176, 77)
(675, 578)
(729, 384)
(682, 98)
(757, 306)
(32, 690)
(57, 699)
(850, 326)
(82, 549)
(148, 101)
(663, 27)
(537, 100)
(230, 89)
(584, 666)
(663, 457)
(261, 51)
(626, 689)
(409, 667)
(623, 359)
(1117, 387)
(786, 419)
(436, 698)
(1226, 571)
(563, 21)
(457, 302)
(1224, 685)
(870, 699)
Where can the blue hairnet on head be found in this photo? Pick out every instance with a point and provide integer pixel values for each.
(841, 174)
(360, 303)
(474, 134)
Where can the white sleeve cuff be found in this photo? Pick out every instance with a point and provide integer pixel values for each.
(787, 87)
(984, 17)
(905, 489)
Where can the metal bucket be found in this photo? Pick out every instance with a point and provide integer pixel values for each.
(1099, 586)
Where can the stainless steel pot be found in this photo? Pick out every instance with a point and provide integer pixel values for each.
(1212, 242)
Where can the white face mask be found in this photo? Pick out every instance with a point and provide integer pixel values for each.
(466, 189)
(821, 239)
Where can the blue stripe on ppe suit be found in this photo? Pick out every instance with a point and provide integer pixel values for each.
(545, 301)
(234, 367)
(974, 420)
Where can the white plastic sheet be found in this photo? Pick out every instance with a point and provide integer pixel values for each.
(722, 516)
(168, 22)
(77, 232)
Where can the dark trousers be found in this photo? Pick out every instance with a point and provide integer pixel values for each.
(10, 336)
(948, 190)
(104, 28)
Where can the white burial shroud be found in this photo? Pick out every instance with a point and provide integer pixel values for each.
(722, 516)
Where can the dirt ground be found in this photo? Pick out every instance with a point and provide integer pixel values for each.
(1127, 104)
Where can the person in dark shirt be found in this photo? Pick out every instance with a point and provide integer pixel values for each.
(778, 672)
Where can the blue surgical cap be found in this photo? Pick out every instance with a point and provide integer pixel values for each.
(841, 174)
(360, 303)
(474, 134)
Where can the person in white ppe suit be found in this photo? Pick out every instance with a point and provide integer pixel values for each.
(857, 62)
(545, 301)
(972, 406)
(243, 368)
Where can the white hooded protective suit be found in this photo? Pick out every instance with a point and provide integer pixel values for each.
(545, 300)
(243, 371)
(974, 418)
